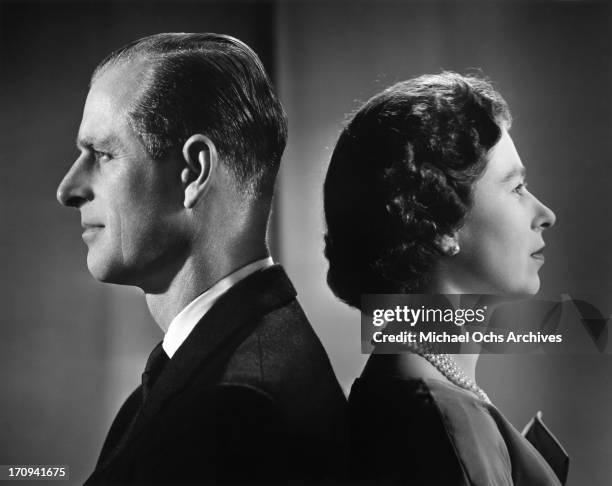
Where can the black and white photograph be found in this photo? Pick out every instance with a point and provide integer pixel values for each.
(306, 242)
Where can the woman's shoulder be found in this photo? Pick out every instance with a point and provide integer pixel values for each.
(444, 433)
(448, 401)
(426, 403)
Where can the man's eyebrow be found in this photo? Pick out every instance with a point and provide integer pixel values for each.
(105, 143)
(517, 172)
(82, 142)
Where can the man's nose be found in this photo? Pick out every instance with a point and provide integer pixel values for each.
(75, 188)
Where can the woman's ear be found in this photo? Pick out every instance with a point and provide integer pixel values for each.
(200, 157)
(448, 244)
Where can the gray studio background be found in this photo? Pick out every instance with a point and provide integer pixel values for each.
(72, 349)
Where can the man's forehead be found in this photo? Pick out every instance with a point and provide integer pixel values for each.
(110, 97)
(102, 117)
(122, 80)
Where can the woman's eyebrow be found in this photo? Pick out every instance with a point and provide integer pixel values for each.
(515, 173)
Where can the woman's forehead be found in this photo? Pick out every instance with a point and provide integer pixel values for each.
(504, 163)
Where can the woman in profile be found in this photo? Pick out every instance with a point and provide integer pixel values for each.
(426, 193)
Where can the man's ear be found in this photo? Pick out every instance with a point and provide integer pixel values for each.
(200, 156)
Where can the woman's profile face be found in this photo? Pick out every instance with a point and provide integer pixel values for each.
(502, 241)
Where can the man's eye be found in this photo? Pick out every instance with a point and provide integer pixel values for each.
(101, 156)
(521, 188)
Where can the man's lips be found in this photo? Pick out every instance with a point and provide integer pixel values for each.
(90, 229)
(539, 254)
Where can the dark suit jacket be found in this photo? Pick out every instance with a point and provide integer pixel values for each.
(250, 396)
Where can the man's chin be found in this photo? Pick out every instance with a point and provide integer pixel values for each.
(106, 272)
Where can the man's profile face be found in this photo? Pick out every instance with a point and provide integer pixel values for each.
(129, 203)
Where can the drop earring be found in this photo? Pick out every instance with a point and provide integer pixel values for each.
(447, 244)
(453, 249)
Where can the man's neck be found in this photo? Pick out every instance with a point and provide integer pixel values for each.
(195, 277)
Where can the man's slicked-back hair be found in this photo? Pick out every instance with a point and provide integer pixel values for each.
(211, 84)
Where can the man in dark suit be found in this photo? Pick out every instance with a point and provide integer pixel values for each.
(180, 143)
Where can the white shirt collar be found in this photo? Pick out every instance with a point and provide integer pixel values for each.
(186, 320)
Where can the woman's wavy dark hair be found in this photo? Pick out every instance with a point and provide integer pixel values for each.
(401, 176)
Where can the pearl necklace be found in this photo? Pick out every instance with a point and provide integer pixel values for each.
(446, 365)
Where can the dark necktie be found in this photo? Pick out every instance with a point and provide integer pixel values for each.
(155, 364)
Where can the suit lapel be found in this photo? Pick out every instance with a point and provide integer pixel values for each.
(231, 319)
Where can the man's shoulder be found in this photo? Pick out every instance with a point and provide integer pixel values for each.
(284, 360)
(257, 338)
(282, 345)
(274, 338)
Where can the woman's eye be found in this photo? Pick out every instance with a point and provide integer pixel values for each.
(521, 188)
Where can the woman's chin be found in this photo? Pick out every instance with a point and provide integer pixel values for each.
(527, 290)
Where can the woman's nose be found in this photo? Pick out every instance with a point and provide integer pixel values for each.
(545, 217)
